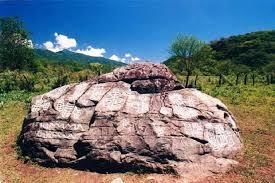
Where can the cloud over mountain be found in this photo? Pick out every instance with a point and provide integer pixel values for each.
(128, 58)
(61, 42)
(115, 58)
(64, 42)
(95, 52)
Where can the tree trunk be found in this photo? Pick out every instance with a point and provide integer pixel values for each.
(253, 79)
(245, 79)
(237, 79)
(267, 79)
(196, 80)
(187, 79)
(271, 79)
(209, 79)
(220, 80)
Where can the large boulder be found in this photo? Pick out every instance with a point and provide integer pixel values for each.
(136, 118)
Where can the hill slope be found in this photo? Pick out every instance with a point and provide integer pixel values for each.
(68, 56)
(254, 50)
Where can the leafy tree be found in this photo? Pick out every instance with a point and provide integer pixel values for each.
(207, 64)
(225, 67)
(61, 81)
(270, 70)
(15, 45)
(96, 68)
(240, 69)
(187, 51)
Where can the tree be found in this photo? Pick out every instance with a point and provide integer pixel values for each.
(240, 69)
(15, 45)
(225, 67)
(186, 51)
(207, 65)
(255, 49)
(270, 70)
(96, 68)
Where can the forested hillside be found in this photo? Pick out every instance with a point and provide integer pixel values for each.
(241, 54)
(69, 56)
(255, 50)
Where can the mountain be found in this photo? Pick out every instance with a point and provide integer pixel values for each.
(65, 56)
(254, 49)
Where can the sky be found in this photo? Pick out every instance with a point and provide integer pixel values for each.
(135, 29)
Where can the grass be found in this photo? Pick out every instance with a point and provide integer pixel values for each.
(253, 107)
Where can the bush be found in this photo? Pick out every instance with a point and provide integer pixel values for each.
(61, 81)
(8, 81)
(14, 80)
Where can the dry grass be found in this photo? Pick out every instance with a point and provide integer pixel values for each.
(255, 115)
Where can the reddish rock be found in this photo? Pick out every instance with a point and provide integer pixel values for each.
(144, 78)
(136, 117)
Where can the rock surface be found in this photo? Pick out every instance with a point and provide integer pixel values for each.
(137, 117)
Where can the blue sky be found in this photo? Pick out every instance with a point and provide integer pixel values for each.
(136, 28)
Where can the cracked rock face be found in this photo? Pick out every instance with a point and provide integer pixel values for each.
(137, 117)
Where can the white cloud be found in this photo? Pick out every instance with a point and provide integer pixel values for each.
(115, 58)
(128, 58)
(134, 59)
(49, 46)
(61, 42)
(64, 42)
(127, 55)
(95, 52)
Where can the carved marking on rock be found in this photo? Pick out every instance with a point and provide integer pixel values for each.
(112, 101)
(62, 126)
(137, 104)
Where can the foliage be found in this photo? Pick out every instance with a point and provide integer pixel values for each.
(185, 50)
(270, 68)
(96, 68)
(254, 50)
(61, 81)
(188, 52)
(66, 56)
(47, 77)
(15, 80)
(15, 51)
(206, 64)
(16, 95)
